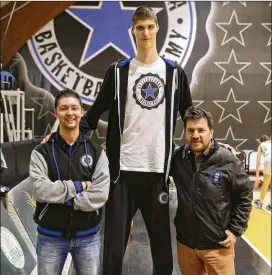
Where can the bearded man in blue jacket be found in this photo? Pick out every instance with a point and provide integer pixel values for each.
(214, 199)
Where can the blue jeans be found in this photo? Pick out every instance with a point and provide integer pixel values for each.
(52, 253)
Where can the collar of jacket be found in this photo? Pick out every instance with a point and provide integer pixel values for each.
(188, 153)
(61, 142)
(124, 62)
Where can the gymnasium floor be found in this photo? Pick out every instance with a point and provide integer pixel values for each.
(252, 253)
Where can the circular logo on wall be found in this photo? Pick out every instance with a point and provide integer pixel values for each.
(148, 91)
(11, 248)
(75, 48)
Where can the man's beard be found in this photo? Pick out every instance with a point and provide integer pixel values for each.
(200, 150)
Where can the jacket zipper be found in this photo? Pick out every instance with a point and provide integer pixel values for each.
(193, 195)
(43, 211)
(171, 123)
(117, 87)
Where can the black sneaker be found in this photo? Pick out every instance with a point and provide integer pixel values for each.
(259, 204)
(268, 207)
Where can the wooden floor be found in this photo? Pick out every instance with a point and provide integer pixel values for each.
(138, 257)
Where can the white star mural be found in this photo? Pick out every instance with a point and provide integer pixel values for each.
(267, 106)
(99, 135)
(268, 27)
(42, 111)
(232, 104)
(267, 66)
(231, 140)
(232, 65)
(233, 25)
(241, 2)
(13, 63)
(96, 138)
(48, 130)
(197, 103)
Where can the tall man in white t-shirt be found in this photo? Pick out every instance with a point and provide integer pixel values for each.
(143, 95)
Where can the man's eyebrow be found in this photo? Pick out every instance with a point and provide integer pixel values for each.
(64, 105)
(152, 24)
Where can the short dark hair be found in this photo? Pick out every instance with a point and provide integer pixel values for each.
(193, 113)
(67, 93)
(142, 13)
(264, 138)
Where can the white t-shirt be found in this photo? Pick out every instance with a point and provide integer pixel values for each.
(143, 139)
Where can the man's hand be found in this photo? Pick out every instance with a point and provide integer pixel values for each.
(86, 184)
(45, 139)
(230, 240)
(228, 147)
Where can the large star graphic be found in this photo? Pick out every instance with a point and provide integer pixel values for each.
(233, 67)
(267, 106)
(96, 138)
(268, 27)
(43, 111)
(109, 25)
(14, 61)
(267, 66)
(99, 135)
(48, 130)
(231, 140)
(233, 26)
(232, 104)
(241, 2)
(149, 92)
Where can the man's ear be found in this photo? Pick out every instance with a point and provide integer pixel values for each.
(132, 30)
(55, 112)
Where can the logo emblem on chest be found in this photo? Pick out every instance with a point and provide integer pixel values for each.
(216, 177)
(148, 91)
(86, 161)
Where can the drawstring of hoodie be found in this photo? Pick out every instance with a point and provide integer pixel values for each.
(55, 161)
(54, 157)
(86, 153)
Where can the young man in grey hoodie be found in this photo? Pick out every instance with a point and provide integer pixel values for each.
(71, 184)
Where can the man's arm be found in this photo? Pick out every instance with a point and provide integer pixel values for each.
(242, 195)
(102, 103)
(185, 95)
(97, 194)
(45, 190)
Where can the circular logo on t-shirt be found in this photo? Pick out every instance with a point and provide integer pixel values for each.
(148, 91)
(11, 248)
